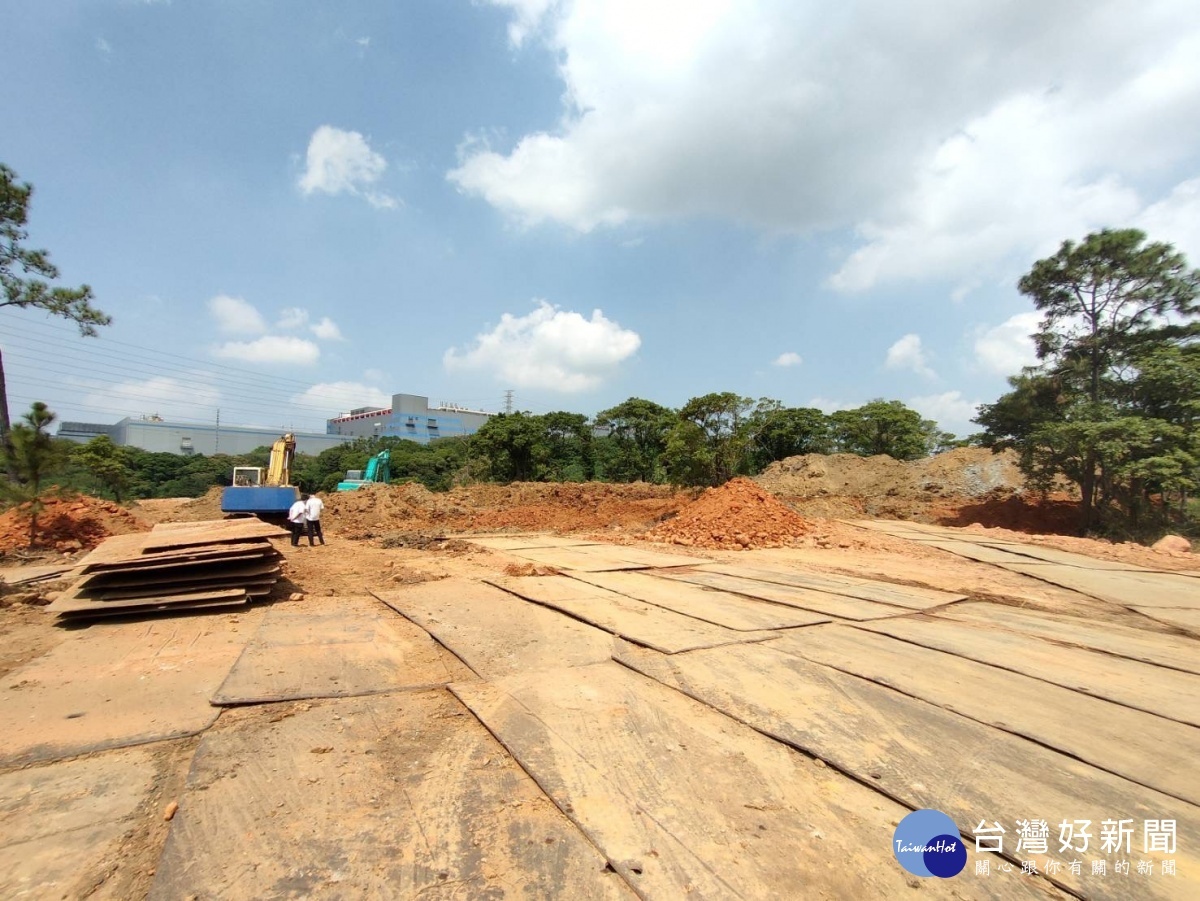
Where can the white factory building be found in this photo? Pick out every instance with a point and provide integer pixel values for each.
(410, 416)
(161, 435)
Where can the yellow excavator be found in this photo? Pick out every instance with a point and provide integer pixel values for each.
(268, 494)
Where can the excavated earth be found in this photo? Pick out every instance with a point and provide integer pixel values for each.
(68, 524)
(738, 514)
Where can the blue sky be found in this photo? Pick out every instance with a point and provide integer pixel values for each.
(292, 208)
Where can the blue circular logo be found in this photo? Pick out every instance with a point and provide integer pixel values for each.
(927, 843)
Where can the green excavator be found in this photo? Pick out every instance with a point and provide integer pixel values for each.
(379, 470)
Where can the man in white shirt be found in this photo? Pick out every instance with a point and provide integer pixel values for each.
(312, 513)
(296, 519)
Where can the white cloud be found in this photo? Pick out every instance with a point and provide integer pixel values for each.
(956, 141)
(170, 398)
(1176, 220)
(326, 330)
(291, 319)
(340, 397)
(271, 349)
(1014, 180)
(103, 46)
(950, 410)
(342, 162)
(1004, 349)
(552, 349)
(907, 353)
(788, 359)
(527, 15)
(236, 316)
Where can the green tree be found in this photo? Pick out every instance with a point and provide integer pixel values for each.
(35, 456)
(688, 456)
(778, 433)
(636, 438)
(884, 427)
(569, 453)
(1112, 309)
(1034, 401)
(108, 462)
(512, 447)
(435, 465)
(23, 275)
(722, 420)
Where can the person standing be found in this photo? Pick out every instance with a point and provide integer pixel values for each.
(296, 519)
(312, 514)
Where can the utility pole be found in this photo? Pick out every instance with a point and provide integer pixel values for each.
(508, 396)
(217, 443)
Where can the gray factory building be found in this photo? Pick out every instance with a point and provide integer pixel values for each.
(158, 435)
(410, 416)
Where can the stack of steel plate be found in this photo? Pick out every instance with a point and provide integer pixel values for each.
(175, 567)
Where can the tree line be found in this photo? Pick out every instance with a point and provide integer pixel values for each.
(1112, 406)
(706, 442)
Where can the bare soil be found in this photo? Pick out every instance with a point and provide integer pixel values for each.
(67, 524)
(391, 536)
(737, 515)
(381, 536)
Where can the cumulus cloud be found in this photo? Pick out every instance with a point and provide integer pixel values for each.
(342, 162)
(340, 397)
(236, 316)
(170, 398)
(271, 349)
(1006, 348)
(788, 359)
(952, 140)
(326, 330)
(550, 348)
(907, 353)
(1176, 220)
(291, 319)
(950, 410)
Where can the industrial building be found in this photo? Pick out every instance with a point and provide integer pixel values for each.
(410, 416)
(159, 436)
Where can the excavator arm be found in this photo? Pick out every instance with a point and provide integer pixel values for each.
(279, 470)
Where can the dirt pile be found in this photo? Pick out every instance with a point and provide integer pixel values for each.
(203, 508)
(68, 524)
(960, 487)
(377, 510)
(737, 515)
(964, 472)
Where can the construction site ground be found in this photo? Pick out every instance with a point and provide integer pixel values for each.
(513, 693)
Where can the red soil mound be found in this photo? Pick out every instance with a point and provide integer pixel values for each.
(68, 524)
(737, 515)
